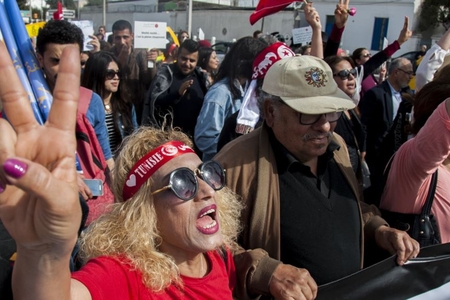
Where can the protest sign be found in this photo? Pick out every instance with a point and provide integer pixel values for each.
(88, 29)
(302, 35)
(148, 35)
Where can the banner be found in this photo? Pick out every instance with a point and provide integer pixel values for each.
(33, 28)
(424, 277)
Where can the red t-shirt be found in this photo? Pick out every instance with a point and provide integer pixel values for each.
(109, 278)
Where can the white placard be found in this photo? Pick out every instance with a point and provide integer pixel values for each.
(302, 35)
(88, 29)
(148, 35)
(201, 34)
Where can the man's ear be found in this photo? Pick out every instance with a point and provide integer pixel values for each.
(40, 59)
(269, 113)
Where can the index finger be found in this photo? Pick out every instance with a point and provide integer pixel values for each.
(13, 96)
(406, 25)
(67, 90)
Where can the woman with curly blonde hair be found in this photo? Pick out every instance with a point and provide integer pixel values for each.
(138, 230)
(169, 236)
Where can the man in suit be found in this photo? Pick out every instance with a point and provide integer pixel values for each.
(379, 108)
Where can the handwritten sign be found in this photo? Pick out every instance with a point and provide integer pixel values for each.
(88, 29)
(33, 28)
(302, 35)
(149, 35)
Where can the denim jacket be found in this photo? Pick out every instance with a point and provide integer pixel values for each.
(217, 107)
(133, 120)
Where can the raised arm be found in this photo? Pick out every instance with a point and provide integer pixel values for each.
(313, 19)
(432, 61)
(378, 59)
(340, 20)
(38, 182)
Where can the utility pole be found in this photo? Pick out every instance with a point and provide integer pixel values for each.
(189, 18)
(104, 12)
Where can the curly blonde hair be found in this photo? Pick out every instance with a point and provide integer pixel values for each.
(130, 229)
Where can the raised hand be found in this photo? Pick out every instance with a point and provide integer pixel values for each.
(39, 203)
(95, 44)
(312, 16)
(405, 33)
(341, 13)
(185, 86)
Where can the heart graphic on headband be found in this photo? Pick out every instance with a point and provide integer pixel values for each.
(132, 181)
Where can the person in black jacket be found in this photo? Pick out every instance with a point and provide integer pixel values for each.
(379, 108)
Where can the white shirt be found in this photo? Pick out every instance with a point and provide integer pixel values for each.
(431, 62)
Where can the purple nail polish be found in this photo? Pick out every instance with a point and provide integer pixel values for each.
(15, 168)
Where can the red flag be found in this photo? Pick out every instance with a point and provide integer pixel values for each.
(268, 7)
(58, 14)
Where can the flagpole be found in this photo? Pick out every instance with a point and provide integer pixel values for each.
(262, 25)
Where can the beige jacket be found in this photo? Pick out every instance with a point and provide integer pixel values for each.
(251, 172)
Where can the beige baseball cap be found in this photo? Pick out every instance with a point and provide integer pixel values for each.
(306, 84)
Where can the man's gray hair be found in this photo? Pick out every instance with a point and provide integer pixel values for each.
(396, 64)
(262, 97)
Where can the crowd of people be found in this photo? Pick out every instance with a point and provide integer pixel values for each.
(261, 176)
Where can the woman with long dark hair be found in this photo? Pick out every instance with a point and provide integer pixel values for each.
(225, 97)
(208, 61)
(349, 125)
(102, 75)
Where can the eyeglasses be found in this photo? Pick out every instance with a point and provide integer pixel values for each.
(366, 55)
(410, 73)
(110, 74)
(345, 74)
(306, 119)
(83, 62)
(183, 181)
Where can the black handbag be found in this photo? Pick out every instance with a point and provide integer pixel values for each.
(422, 227)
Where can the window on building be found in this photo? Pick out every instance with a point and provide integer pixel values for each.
(380, 28)
(329, 24)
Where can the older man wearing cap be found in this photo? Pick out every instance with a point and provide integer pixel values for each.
(302, 199)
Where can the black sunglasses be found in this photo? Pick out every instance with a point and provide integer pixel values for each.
(183, 181)
(110, 74)
(345, 74)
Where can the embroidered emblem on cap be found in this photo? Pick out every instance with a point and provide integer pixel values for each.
(316, 77)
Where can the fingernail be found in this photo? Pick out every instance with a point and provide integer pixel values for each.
(15, 168)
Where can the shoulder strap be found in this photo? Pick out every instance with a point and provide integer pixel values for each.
(85, 100)
(426, 210)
